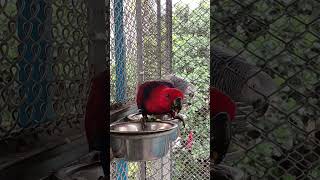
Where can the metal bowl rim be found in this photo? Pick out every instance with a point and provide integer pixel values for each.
(174, 126)
(139, 160)
(135, 120)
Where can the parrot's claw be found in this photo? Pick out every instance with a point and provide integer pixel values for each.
(181, 119)
(144, 122)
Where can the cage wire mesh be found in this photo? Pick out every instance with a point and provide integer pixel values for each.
(282, 38)
(147, 43)
(43, 66)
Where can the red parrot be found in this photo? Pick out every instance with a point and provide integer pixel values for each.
(222, 111)
(159, 97)
(96, 115)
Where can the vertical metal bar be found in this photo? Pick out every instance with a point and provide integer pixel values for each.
(169, 66)
(120, 52)
(35, 55)
(143, 170)
(168, 36)
(140, 65)
(139, 29)
(159, 36)
(122, 166)
(162, 165)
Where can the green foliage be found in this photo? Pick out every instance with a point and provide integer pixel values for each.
(191, 61)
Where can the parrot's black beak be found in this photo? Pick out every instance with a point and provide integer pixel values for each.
(177, 105)
(176, 108)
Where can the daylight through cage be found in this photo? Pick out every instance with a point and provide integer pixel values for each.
(151, 39)
(281, 38)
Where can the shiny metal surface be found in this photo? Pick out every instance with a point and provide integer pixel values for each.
(136, 127)
(131, 143)
(136, 117)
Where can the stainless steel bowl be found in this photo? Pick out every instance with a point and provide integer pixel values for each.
(132, 143)
(136, 117)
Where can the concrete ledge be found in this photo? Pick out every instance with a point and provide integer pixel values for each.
(48, 158)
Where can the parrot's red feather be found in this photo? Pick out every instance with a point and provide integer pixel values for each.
(96, 109)
(219, 102)
(145, 89)
(156, 97)
(158, 102)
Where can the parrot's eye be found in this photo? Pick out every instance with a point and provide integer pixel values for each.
(167, 96)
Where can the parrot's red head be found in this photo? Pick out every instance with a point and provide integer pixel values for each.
(174, 97)
(219, 102)
(163, 100)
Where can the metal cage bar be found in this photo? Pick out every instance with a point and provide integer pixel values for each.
(168, 62)
(139, 29)
(120, 52)
(122, 166)
(158, 4)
